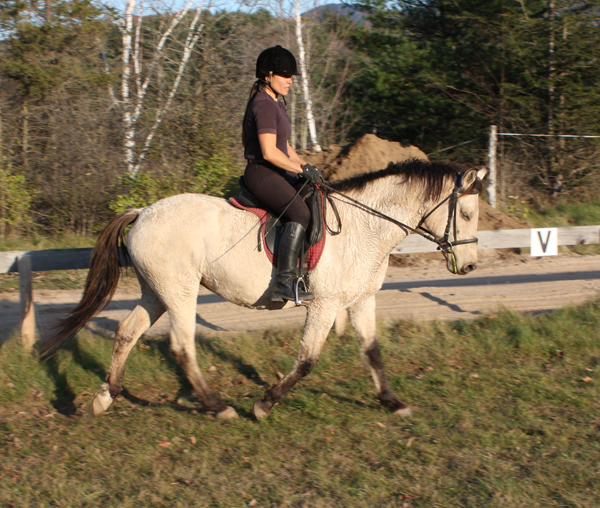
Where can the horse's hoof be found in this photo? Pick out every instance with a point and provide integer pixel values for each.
(405, 412)
(101, 401)
(227, 414)
(261, 410)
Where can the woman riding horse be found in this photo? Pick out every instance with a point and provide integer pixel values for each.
(274, 166)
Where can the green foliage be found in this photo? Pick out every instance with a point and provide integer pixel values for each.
(518, 207)
(438, 73)
(215, 174)
(15, 199)
(41, 55)
(143, 190)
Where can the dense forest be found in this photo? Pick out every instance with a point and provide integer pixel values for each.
(86, 132)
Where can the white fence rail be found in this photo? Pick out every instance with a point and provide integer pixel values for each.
(72, 259)
(24, 262)
(507, 239)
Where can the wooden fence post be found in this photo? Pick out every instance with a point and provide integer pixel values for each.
(493, 176)
(27, 309)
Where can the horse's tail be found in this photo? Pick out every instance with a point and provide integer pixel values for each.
(100, 285)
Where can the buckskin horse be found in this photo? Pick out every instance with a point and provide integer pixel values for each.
(184, 241)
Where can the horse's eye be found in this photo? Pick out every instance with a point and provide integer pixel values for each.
(465, 215)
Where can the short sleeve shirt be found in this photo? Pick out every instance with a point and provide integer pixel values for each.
(266, 115)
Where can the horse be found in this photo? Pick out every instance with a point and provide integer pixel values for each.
(184, 241)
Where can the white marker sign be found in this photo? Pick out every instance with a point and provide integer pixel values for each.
(544, 242)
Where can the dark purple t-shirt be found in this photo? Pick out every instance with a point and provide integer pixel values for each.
(266, 115)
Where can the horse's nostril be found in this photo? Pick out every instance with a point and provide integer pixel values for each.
(469, 268)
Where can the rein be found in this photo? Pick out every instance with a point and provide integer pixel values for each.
(444, 244)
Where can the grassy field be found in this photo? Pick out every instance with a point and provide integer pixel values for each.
(507, 414)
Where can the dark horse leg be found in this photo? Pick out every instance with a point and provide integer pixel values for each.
(182, 311)
(319, 321)
(362, 317)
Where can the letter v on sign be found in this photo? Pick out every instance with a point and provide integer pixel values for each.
(544, 242)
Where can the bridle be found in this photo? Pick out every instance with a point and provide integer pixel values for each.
(445, 245)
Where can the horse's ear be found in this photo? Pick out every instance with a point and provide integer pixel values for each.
(468, 179)
(482, 172)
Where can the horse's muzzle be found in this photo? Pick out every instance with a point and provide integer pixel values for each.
(467, 269)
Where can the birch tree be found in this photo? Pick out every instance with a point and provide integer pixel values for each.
(135, 79)
(305, 82)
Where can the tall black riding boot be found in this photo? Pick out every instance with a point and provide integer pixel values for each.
(287, 260)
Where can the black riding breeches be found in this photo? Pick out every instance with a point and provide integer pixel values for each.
(273, 188)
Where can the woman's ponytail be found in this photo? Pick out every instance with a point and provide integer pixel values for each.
(256, 87)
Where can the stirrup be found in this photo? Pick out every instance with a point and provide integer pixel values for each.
(297, 289)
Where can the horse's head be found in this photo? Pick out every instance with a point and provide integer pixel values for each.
(453, 219)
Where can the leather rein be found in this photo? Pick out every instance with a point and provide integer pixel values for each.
(444, 244)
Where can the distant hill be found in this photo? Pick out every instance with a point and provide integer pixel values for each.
(336, 9)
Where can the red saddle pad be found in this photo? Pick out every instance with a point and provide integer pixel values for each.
(314, 253)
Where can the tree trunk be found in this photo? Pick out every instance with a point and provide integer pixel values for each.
(25, 133)
(3, 213)
(48, 11)
(309, 114)
(1, 139)
(128, 140)
(554, 178)
(293, 121)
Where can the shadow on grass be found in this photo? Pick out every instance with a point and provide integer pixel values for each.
(245, 369)
(64, 397)
(185, 388)
(345, 400)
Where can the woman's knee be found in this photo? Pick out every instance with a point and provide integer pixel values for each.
(300, 214)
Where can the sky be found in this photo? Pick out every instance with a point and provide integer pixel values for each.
(274, 6)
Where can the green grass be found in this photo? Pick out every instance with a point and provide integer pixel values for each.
(41, 242)
(567, 214)
(504, 417)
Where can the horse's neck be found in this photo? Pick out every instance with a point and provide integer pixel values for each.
(399, 201)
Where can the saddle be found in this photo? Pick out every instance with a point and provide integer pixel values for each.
(271, 228)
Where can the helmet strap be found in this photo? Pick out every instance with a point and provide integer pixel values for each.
(268, 83)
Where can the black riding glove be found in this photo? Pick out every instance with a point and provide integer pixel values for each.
(311, 173)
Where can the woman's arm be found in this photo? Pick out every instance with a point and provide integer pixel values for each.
(294, 156)
(270, 152)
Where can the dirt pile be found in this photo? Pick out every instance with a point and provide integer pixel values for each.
(369, 153)
(490, 218)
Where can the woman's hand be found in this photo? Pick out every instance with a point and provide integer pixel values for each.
(312, 174)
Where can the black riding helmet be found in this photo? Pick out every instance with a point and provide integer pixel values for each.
(277, 60)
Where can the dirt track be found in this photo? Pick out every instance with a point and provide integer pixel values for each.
(423, 290)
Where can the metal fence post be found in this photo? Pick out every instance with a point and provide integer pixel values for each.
(27, 309)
